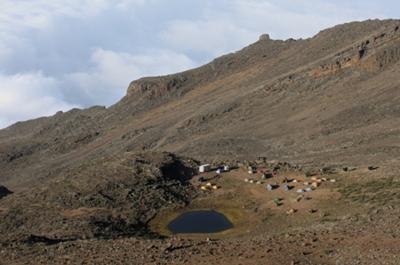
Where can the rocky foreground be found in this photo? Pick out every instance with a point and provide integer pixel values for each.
(107, 198)
(371, 238)
(109, 222)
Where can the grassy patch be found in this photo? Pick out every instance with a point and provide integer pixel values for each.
(378, 192)
(160, 223)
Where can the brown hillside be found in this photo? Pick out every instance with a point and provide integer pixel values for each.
(332, 98)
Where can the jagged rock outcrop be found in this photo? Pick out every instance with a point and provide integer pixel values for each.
(152, 88)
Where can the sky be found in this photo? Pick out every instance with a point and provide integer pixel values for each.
(61, 54)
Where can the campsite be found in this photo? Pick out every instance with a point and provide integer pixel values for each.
(246, 199)
(320, 225)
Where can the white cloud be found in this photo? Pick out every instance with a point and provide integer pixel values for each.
(111, 72)
(39, 14)
(240, 22)
(26, 96)
(213, 36)
(125, 4)
(30, 95)
(293, 19)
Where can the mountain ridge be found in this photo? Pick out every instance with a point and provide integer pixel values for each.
(273, 98)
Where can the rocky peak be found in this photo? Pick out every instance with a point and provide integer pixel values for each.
(264, 37)
(156, 87)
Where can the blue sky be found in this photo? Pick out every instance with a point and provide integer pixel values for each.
(60, 54)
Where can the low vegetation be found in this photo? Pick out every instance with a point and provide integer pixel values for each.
(378, 192)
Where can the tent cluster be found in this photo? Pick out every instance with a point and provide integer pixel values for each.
(207, 168)
(273, 182)
(209, 186)
(287, 183)
(314, 184)
(265, 174)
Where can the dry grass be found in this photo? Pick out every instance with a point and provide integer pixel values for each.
(80, 212)
(378, 192)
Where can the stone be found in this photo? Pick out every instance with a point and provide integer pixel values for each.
(264, 37)
(4, 192)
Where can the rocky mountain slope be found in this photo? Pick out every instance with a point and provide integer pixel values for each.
(330, 98)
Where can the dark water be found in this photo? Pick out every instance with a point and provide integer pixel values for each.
(200, 222)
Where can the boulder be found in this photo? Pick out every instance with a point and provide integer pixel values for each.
(264, 37)
(4, 192)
